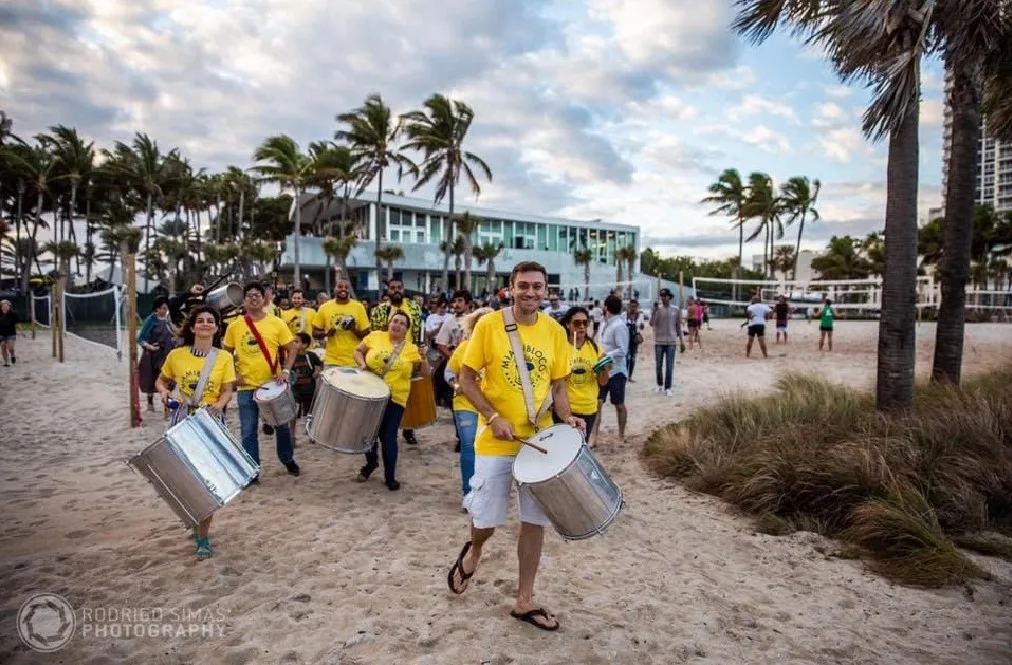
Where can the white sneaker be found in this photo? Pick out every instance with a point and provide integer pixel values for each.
(667, 393)
(659, 389)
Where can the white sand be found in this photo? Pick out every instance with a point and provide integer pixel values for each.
(320, 569)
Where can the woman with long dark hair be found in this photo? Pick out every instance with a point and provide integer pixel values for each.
(184, 367)
(155, 340)
(590, 368)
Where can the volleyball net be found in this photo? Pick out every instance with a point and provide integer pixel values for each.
(644, 290)
(858, 295)
(96, 318)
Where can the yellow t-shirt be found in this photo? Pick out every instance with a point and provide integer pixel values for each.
(460, 403)
(341, 345)
(581, 386)
(399, 377)
(547, 354)
(184, 368)
(299, 320)
(253, 367)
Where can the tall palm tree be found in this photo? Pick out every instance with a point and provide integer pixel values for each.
(466, 227)
(438, 132)
(974, 36)
(283, 163)
(584, 257)
(882, 44)
(75, 159)
(446, 247)
(487, 254)
(371, 135)
(730, 195)
(142, 167)
(458, 253)
(626, 255)
(799, 195)
(339, 249)
(766, 206)
(37, 168)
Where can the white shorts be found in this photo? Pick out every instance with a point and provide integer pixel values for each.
(488, 500)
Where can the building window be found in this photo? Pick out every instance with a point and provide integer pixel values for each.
(435, 229)
(542, 236)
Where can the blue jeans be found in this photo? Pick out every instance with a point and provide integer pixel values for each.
(249, 425)
(630, 359)
(665, 353)
(388, 437)
(467, 429)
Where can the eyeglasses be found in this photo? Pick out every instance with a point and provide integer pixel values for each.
(578, 323)
(253, 296)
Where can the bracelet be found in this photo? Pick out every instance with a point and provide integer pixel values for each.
(492, 419)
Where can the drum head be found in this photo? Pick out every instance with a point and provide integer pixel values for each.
(357, 382)
(234, 294)
(563, 444)
(269, 391)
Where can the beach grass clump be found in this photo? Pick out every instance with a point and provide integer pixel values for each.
(904, 490)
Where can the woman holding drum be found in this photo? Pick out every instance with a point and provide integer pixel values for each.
(205, 377)
(590, 368)
(394, 358)
(465, 416)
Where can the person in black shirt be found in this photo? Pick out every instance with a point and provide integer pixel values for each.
(783, 312)
(8, 332)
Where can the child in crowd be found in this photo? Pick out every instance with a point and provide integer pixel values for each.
(305, 371)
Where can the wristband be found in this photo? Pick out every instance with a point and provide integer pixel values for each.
(492, 419)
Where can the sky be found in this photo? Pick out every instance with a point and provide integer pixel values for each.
(623, 110)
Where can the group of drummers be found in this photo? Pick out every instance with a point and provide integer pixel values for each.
(498, 403)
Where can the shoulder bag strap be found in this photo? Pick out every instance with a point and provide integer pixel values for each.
(521, 362)
(393, 357)
(205, 374)
(260, 342)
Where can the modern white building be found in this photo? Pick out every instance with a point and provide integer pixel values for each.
(419, 227)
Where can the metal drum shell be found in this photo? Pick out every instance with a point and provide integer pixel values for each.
(342, 420)
(225, 296)
(581, 500)
(279, 410)
(196, 467)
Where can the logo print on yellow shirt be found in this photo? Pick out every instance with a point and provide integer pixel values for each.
(249, 343)
(537, 367)
(582, 372)
(191, 378)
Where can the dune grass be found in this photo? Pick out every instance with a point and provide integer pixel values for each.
(902, 490)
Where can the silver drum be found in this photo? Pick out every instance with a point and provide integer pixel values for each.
(276, 403)
(347, 409)
(225, 296)
(196, 467)
(568, 484)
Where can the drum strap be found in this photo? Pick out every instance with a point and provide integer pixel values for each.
(179, 415)
(272, 363)
(525, 377)
(393, 357)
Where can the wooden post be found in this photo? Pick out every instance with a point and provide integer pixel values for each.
(61, 282)
(130, 277)
(54, 312)
(31, 310)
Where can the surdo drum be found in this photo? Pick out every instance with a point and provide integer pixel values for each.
(347, 410)
(568, 484)
(196, 467)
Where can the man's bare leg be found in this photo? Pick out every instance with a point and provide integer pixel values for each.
(829, 338)
(529, 545)
(748, 349)
(622, 414)
(762, 345)
(473, 556)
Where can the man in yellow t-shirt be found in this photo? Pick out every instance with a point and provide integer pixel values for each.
(253, 369)
(300, 317)
(499, 399)
(343, 323)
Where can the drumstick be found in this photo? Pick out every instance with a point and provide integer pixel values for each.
(543, 451)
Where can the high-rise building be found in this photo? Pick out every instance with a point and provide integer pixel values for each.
(994, 163)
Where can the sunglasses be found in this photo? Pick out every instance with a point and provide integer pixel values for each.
(578, 323)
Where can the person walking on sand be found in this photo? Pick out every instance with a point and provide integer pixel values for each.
(666, 322)
(8, 332)
(826, 315)
(508, 386)
(783, 313)
(614, 339)
(757, 313)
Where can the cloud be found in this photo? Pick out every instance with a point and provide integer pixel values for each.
(752, 104)
(842, 143)
(829, 114)
(932, 112)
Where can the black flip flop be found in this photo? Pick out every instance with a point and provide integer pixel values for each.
(459, 565)
(528, 617)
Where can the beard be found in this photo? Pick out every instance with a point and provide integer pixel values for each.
(396, 299)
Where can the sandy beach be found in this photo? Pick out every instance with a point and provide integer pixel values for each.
(320, 569)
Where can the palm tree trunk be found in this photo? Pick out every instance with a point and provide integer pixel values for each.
(73, 213)
(21, 261)
(446, 272)
(954, 268)
(490, 277)
(148, 225)
(380, 227)
(298, 232)
(897, 352)
(242, 202)
(741, 251)
(586, 280)
(797, 248)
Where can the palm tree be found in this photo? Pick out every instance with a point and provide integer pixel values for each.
(287, 166)
(880, 43)
(799, 196)
(36, 167)
(584, 257)
(974, 36)
(372, 137)
(783, 260)
(730, 195)
(446, 247)
(142, 168)
(626, 255)
(458, 252)
(339, 249)
(466, 227)
(487, 254)
(75, 159)
(389, 255)
(765, 205)
(438, 132)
